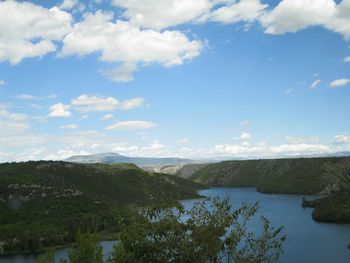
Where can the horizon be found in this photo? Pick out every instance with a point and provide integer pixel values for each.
(211, 79)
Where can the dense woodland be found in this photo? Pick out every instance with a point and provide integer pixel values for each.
(326, 177)
(44, 203)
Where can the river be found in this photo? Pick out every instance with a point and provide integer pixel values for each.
(307, 241)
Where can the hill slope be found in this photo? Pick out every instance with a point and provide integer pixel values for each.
(43, 203)
(294, 176)
(117, 158)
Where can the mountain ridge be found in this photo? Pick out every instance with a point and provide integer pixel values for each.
(111, 157)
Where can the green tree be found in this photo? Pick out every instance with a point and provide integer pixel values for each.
(210, 232)
(86, 249)
(48, 257)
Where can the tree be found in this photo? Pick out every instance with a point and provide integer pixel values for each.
(48, 257)
(86, 249)
(210, 232)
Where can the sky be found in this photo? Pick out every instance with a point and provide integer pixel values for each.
(196, 79)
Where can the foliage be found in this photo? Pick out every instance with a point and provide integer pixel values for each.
(86, 249)
(334, 208)
(210, 232)
(285, 176)
(44, 203)
(48, 257)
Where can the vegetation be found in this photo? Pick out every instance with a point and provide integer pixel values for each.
(286, 176)
(44, 203)
(211, 232)
(332, 209)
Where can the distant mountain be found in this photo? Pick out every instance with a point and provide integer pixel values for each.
(117, 158)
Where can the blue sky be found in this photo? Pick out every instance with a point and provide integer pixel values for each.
(186, 78)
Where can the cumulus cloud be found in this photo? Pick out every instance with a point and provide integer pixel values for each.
(29, 30)
(59, 110)
(339, 83)
(300, 148)
(131, 125)
(68, 4)
(342, 138)
(245, 136)
(294, 15)
(107, 117)
(124, 42)
(300, 140)
(123, 73)
(261, 150)
(86, 103)
(246, 11)
(315, 84)
(162, 14)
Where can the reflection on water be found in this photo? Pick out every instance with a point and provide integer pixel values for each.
(307, 240)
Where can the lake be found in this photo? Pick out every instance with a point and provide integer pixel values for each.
(307, 241)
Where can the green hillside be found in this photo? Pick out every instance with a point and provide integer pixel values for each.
(289, 176)
(332, 209)
(43, 203)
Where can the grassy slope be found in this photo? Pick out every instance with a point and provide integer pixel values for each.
(297, 176)
(42, 203)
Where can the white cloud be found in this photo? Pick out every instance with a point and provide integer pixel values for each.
(340, 20)
(123, 42)
(68, 4)
(246, 10)
(300, 148)
(265, 151)
(183, 141)
(69, 127)
(315, 84)
(27, 97)
(294, 15)
(346, 59)
(131, 125)
(29, 30)
(300, 140)
(339, 83)
(162, 14)
(342, 138)
(59, 110)
(107, 117)
(245, 122)
(123, 73)
(86, 103)
(64, 154)
(12, 122)
(52, 96)
(245, 136)
(2, 82)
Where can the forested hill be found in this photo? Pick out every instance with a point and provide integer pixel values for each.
(297, 176)
(43, 203)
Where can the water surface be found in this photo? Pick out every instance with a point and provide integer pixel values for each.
(307, 241)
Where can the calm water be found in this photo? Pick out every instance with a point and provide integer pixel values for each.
(307, 240)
